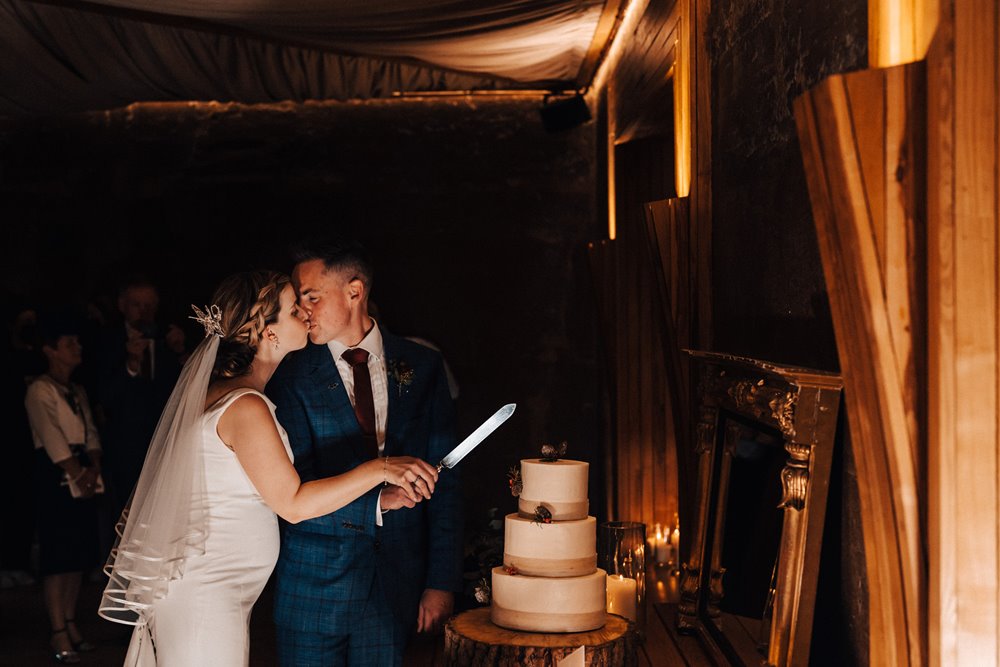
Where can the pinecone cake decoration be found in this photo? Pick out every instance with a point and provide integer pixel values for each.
(551, 453)
(514, 480)
(542, 515)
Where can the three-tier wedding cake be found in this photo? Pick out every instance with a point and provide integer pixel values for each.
(549, 581)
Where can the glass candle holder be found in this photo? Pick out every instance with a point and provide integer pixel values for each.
(621, 552)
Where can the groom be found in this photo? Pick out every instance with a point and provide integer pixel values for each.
(352, 585)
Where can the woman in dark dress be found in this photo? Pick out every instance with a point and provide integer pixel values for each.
(67, 476)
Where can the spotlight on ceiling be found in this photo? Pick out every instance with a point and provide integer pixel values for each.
(564, 113)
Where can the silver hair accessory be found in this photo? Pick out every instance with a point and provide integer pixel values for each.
(210, 318)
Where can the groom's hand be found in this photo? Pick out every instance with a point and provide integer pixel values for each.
(435, 608)
(394, 497)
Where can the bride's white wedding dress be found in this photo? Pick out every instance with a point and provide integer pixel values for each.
(205, 617)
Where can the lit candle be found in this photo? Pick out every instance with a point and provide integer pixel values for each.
(661, 545)
(621, 596)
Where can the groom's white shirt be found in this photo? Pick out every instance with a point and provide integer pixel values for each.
(380, 390)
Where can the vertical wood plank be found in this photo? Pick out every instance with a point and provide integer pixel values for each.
(871, 142)
(666, 223)
(942, 476)
(874, 342)
(645, 365)
(900, 31)
(701, 185)
(975, 325)
(622, 287)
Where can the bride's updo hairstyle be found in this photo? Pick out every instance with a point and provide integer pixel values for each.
(249, 302)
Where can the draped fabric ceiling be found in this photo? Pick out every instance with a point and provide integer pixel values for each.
(66, 55)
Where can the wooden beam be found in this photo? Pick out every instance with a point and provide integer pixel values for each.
(604, 33)
(964, 359)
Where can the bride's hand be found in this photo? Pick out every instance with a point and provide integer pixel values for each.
(414, 476)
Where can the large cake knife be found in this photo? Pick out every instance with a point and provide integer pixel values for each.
(477, 436)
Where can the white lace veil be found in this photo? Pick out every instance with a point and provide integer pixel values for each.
(165, 520)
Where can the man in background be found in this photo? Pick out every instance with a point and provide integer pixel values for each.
(137, 363)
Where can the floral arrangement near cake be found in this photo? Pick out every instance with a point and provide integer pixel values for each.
(549, 581)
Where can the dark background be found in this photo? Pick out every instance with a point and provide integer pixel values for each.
(476, 217)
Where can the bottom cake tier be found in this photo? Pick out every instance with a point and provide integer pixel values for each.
(542, 604)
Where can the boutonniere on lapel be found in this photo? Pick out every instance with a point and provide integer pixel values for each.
(401, 372)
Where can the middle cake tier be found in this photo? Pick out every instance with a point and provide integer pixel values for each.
(557, 549)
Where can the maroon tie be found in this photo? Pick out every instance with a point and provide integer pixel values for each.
(364, 402)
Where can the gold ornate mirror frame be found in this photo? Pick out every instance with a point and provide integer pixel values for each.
(801, 406)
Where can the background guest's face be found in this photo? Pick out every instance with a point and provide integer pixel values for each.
(292, 326)
(68, 352)
(138, 304)
(326, 298)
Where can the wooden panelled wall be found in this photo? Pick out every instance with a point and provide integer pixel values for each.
(910, 252)
(653, 281)
(637, 340)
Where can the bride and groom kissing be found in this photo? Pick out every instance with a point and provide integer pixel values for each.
(334, 439)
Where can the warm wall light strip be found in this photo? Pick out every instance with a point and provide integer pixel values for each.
(612, 218)
(682, 102)
(507, 92)
(900, 31)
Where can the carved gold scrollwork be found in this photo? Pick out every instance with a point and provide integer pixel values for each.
(795, 476)
(783, 411)
(763, 400)
(687, 606)
(744, 392)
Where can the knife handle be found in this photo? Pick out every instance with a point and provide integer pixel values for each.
(440, 466)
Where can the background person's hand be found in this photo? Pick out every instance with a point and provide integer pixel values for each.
(87, 482)
(135, 349)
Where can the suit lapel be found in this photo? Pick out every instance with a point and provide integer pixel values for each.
(330, 386)
(396, 416)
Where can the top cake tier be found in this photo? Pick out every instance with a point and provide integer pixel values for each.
(559, 486)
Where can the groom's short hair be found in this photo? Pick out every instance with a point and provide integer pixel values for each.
(347, 255)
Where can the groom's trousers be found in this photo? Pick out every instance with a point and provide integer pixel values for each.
(374, 638)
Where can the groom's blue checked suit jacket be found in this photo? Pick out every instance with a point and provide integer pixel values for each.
(334, 558)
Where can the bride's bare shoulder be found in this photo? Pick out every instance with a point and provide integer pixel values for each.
(248, 414)
(218, 391)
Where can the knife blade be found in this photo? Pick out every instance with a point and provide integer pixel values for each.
(477, 436)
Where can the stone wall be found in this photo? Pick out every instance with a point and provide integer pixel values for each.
(769, 295)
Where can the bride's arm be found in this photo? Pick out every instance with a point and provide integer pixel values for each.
(248, 428)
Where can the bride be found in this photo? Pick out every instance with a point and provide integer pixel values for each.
(200, 537)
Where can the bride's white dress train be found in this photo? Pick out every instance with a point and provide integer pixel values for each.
(205, 618)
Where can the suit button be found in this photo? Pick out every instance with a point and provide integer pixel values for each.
(378, 545)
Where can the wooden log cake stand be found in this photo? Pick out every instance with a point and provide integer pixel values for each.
(472, 640)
